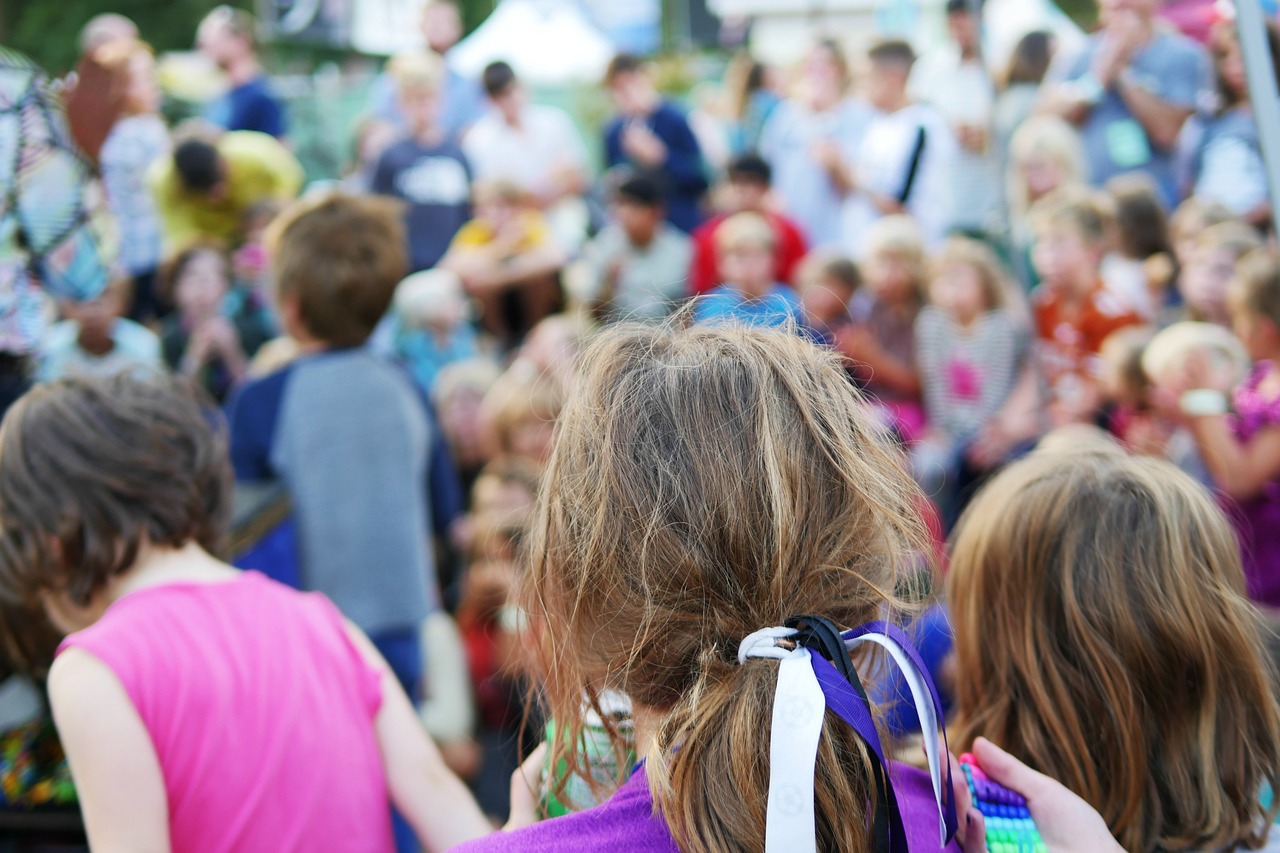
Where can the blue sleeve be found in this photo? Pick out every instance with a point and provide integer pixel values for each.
(1185, 75)
(252, 415)
(383, 182)
(613, 154)
(444, 483)
(684, 156)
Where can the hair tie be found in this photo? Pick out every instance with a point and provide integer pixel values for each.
(810, 684)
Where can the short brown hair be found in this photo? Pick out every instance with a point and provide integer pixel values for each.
(177, 265)
(90, 469)
(1103, 635)
(1080, 209)
(623, 63)
(341, 258)
(892, 52)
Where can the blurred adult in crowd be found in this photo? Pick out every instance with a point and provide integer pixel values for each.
(1129, 91)
(229, 38)
(209, 184)
(107, 27)
(811, 141)
(137, 140)
(461, 98)
(95, 95)
(955, 81)
(1226, 151)
(1020, 86)
(651, 133)
(752, 98)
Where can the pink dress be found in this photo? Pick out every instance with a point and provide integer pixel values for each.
(1257, 520)
(261, 712)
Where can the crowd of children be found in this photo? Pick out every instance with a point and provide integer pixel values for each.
(980, 372)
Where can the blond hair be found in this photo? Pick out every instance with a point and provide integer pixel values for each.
(679, 515)
(979, 257)
(1102, 634)
(1042, 137)
(750, 230)
(417, 70)
(900, 237)
(1256, 286)
(1085, 212)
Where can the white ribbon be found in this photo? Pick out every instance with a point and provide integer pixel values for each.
(799, 707)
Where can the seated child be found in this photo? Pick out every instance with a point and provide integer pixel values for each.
(521, 412)
(1215, 253)
(1072, 310)
(1102, 632)
(1242, 449)
(638, 264)
(1139, 269)
(216, 327)
(95, 339)
(881, 345)
(457, 395)
(115, 492)
(682, 487)
(826, 284)
(969, 348)
(1127, 393)
(509, 261)
(430, 328)
(750, 293)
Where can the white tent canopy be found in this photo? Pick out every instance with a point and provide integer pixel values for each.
(546, 42)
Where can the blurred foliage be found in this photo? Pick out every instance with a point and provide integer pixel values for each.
(48, 30)
(1083, 12)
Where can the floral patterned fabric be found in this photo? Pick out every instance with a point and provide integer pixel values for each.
(47, 237)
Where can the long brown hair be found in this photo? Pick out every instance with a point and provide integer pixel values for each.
(706, 483)
(1102, 635)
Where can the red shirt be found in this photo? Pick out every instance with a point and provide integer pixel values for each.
(1069, 345)
(704, 272)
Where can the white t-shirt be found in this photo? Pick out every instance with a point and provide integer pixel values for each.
(530, 155)
(962, 92)
(882, 165)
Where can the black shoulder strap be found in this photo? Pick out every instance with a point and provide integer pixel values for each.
(913, 168)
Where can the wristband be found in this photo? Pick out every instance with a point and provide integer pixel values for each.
(1090, 90)
(1203, 402)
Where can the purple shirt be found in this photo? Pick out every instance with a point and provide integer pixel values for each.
(627, 822)
(1257, 518)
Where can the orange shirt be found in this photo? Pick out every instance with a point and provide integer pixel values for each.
(1068, 342)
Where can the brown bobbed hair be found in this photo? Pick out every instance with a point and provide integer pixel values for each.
(1102, 635)
(706, 483)
(92, 469)
(340, 257)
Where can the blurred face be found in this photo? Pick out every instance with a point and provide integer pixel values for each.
(747, 194)
(441, 26)
(1067, 264)
(1042, 176)
(822, 74)
(957, 289)
(638, 221)
(200, 289)
(632, 94)
(749, 267)
(889, 276)
(886, 85)
(1205, 281)
(498, 212)
(963, 31)
(823, 302)
(143, 92)
(97, 319)
(1228, 60)
(510, 103)
(532, 438)
(217, 42)
(419, 106)
(459, 417)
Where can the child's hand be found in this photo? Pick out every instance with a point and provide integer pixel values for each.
(1066, 823)
(643, 145)
(526, 787)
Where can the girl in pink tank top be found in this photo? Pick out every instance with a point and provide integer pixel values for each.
(201, 708)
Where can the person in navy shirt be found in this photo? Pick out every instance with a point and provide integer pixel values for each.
(227, 37)
(426, 169)
(650, 134)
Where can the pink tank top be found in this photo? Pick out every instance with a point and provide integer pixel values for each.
(261, 712)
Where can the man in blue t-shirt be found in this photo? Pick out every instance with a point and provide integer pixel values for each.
(426, 169)
(228, 37)
(1130, 91)
(652, 135)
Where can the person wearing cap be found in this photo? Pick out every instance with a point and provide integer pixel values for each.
(637, 266)
(228, 37)
(1129, 92)
(750, 179)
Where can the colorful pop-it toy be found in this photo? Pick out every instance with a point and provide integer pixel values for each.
(1010, 828)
